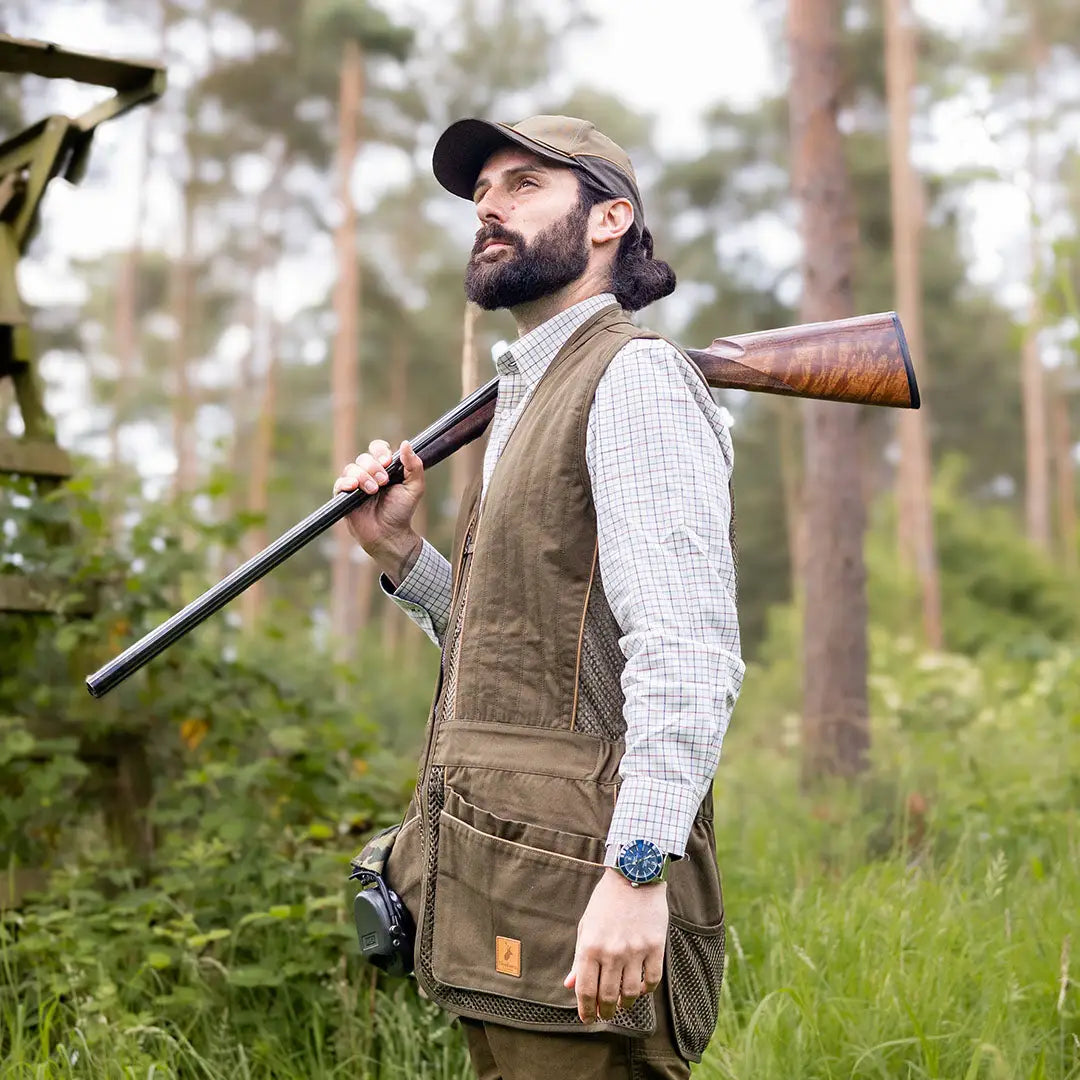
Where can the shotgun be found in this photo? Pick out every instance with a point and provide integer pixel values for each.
(863, 360)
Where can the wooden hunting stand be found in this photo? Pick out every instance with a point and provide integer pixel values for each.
(54, 146)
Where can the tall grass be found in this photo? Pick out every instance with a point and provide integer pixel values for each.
(907, 967)
(922, 924)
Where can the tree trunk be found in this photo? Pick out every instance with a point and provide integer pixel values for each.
(914, 478)
(258, 493)
(125, 315)
(835, 709)
(183, 288)
(788, 419)
(257, 359)
(464, 463)
(345, 362)
(1032, 376)
(1066, 477)
(393, 620)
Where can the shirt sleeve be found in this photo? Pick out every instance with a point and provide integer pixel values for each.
(424, 593)
(659, 456)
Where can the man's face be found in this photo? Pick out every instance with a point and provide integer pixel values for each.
(532, 238)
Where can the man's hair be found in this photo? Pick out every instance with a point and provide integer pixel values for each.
(637, 279)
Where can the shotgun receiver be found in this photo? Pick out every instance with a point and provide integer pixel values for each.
(863, 360)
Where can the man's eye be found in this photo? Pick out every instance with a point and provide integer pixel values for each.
(526, 180)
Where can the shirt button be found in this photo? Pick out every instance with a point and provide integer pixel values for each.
(506, 364)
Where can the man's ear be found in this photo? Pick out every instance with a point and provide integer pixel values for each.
(611, 219)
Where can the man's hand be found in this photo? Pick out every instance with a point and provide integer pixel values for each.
(620, 946)
(383, 526)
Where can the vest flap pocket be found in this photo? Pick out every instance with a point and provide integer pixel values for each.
(575, 845)
(506, 912)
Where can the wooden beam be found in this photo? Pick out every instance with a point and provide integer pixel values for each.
(34, 457)
(23, 56)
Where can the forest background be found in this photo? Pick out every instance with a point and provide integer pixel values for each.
(280, 281)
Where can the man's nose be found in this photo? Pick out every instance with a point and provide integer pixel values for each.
(491, 208)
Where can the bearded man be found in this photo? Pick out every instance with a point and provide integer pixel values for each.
(558, 855)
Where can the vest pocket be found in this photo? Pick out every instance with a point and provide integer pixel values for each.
(695, 974)
(570, 844)
(695, 945)
(506, 910)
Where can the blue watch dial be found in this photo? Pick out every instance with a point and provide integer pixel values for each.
(640, 861)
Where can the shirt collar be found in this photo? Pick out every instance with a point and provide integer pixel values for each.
(530, 355)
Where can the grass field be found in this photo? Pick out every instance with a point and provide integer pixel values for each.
(921, 925)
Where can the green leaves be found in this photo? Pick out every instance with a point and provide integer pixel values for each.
(253, 975)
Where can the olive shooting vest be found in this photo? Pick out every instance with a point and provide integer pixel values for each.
(504, 840)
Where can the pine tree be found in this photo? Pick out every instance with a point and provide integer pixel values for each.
(836, 732)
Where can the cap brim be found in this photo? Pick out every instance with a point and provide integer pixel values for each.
(465, 145)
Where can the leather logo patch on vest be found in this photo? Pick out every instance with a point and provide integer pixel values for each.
(508, 956)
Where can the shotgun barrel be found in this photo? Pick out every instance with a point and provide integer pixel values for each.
(859, 360)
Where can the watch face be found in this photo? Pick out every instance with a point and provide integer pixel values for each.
(641, 861)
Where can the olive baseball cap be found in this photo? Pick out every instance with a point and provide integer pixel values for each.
(465, 145)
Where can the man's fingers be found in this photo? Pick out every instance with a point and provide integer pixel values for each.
(654, 970)
(586, 974)
(380, 450)
(367, 472)
(611, 976)
(633, 986)
(367, 461)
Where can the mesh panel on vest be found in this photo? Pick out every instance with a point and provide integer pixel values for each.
(600, 695)
(639, 1019)
(450, 686)
(696, 969)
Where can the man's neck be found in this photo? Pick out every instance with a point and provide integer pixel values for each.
(529, 316)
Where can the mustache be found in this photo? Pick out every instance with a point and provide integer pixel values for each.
(495, 231)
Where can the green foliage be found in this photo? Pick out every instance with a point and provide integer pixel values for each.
(247, 731)
(270, 766)
(998, 592)
(918, 924)
(330, 22)
(915, 924)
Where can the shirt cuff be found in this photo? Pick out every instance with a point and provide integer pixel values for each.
(424, 593)
(655, 810)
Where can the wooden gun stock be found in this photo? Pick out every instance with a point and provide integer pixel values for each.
(863, 360)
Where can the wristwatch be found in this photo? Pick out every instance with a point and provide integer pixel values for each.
(642, 862)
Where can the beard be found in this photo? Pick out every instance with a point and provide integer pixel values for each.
(557, 256)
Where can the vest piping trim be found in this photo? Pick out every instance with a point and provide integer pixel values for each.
(581, 634)
(469, 536)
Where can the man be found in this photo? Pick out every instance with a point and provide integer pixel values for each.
(560, 845)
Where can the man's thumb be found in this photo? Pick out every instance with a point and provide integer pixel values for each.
(412, 464)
